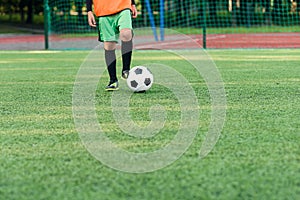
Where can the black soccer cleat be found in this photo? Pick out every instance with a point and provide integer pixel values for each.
(125, 74)
(112, 86)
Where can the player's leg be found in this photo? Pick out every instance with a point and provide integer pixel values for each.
(111, 62)
(108, 36)
(126, 34)
(126, 49)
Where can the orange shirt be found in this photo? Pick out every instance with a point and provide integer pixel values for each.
(110, 7)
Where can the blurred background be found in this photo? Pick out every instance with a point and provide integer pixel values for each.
(62, 24)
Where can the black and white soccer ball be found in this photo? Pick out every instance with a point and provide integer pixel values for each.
(140, 79)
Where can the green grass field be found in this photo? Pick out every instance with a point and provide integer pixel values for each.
(256, 157)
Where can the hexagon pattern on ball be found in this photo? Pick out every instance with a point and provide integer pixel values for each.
(140, 79)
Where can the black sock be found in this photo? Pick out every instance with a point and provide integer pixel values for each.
(126, 49)
(110, 59)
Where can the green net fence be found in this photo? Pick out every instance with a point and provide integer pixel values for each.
(210, 23)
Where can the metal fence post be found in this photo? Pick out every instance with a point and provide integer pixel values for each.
(46, 23)
(204, 24)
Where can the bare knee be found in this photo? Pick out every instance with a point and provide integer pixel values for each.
(126, 35)
(110, 45)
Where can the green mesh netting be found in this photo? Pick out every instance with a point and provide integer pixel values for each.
(224, 23)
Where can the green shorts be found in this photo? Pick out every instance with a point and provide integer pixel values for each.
(109, 26)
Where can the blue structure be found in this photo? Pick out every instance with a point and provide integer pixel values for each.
(161, 19)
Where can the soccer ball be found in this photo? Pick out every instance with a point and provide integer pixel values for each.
(140, 79)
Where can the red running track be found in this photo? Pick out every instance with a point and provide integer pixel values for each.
(261, 40)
